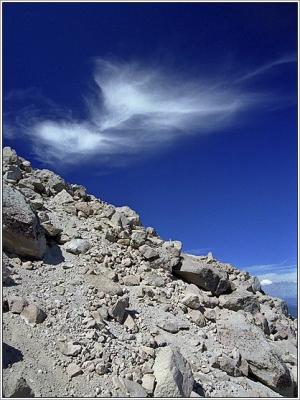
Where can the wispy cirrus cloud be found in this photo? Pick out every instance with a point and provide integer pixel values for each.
(134, 110)
(273, 273)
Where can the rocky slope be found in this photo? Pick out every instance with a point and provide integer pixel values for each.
(96, 305)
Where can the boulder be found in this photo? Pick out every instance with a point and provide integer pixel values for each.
(32, 314)
(203, 275)
(173, 374)
(148, 252)
(265, 364)
(51, 180)
(78, 246)
(22, 232)
(138, 238)
(240, 300)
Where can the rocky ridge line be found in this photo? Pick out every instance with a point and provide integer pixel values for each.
(114, 310)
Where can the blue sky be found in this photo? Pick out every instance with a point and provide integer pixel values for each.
(185, 112)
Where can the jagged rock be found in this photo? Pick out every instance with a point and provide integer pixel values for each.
(63, 197)
(197, 317)
(148, 252)
(6, 269)
(169, 326)
(130, 214)
(17, 304)
(173, 374)
(133, 389)
(191, 301)
(138, 238)
(13, 174)
(22, 232)
(78, 246)
(101, 369)
(203, 275)
(19, 388)
(240, 300)
(119, 308)
(148, 383)
(234, 330)
(54, 182)
(32, 314)
(74, 370)
(103, 283)
(131, 280)
(69, 348)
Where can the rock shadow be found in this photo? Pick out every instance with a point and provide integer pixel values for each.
(197, 388)
(10, 355)
(53, 255)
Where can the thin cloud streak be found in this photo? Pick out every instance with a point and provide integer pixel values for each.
(266, 67)
(134, 110)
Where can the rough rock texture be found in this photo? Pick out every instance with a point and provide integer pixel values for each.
(97, 305)
(203, 275)
(173, 374)
(22, 233)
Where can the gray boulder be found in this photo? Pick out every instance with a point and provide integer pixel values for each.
(205, 276)
(78, 246)
(22, 232)
(240, 300)
(173, 374)
(235, 331)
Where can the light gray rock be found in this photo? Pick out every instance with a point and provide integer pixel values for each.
(78, 246)
(69, 348)
(148, 383)
(104, 284)
(197, 317)
(16, 304)
(32, 314)
(138, 238)
(173, 374)
(131, 388)
(235, 331)
(22, 232)
(205, 276)
(18, 388)
(148, 252)
(168, 325)
(191, 300)
(240, 300)
(74, 370)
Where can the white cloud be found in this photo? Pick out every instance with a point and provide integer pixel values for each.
(265, 282)
(134, 110)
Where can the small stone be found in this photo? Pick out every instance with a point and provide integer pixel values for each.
(101, 369)
(198, 318)
(169, 326)
(119, 308)
(69, 348)
(73, 370)
(191, 301)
